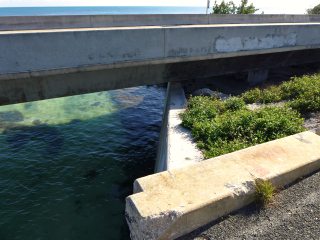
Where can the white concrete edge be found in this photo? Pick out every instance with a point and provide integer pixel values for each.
(162, 152)
(101, 67)
(176, 145)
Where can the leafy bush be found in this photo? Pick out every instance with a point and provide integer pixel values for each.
(201, 108)
(252, 96)
(235, 103)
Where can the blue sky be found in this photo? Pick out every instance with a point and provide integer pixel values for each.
(268, 6)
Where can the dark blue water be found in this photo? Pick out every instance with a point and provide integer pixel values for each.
(67, 164)
(37, 11)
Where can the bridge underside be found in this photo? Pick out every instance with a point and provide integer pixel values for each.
(17, 90)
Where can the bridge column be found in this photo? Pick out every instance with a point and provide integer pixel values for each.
(257, 76)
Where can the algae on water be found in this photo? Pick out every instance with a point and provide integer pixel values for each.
(57, 111)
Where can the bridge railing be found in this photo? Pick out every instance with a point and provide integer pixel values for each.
(8, 23)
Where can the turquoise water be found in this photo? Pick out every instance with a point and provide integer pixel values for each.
(67, 164)
(36, 11)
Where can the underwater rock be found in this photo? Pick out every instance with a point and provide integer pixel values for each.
(95, 104)
(18, 140)
(17, 137)
(27, 105)
(75, 121)
(36, 122)
(11, 117)
(91, 174)
(117, 192)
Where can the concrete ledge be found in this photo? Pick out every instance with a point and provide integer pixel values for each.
(92, 21)
(176, 145)
(170, 204)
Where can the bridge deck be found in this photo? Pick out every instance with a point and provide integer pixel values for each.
(46, 63)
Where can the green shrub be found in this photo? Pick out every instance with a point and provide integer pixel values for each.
(221, 127)
(264, 192)
(252, 96)
(201, 108)
(235, 103)
(233, 126)
(303, 92)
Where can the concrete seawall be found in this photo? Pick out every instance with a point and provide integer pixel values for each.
(176, 146)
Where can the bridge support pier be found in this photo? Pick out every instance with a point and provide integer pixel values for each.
(257, 76)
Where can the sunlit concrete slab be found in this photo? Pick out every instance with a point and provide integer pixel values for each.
(170, 204)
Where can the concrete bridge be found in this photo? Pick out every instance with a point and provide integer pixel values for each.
(54, 56)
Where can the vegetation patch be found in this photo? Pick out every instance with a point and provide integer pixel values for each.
(303, 93)
(221, 127)
(264, 192)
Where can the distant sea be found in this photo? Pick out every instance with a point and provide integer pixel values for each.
(40, 11)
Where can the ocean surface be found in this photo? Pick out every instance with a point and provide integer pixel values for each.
(37, 11)
(67, 164)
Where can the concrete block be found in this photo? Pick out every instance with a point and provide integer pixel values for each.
(170, 204)
(257, 76)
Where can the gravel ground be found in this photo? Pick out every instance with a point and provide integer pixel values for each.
(294, 214)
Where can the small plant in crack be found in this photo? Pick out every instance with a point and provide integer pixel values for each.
(264, 192)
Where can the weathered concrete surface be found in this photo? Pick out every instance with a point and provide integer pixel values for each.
(41, 51)
(9, 23)
(295, 214)
(176, 145)
(172, 203)
(33, 62)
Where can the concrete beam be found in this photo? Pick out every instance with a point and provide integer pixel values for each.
(42, 64)
(38, 87)
(170, 204)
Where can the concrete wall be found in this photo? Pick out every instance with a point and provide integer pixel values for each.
(93, 21)
(176, 145)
